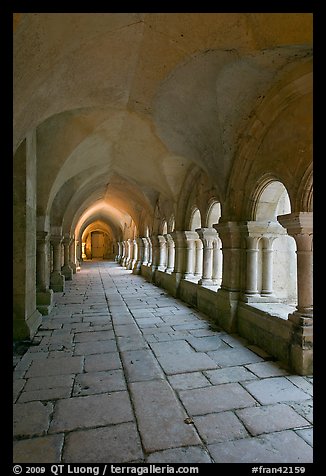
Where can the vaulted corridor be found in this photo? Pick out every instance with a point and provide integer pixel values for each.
(120, 371)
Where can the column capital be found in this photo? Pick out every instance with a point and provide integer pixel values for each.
(56, 239)
(42, 236)
(297, 223)
(230, 233)
(261, 228)
(207, 233)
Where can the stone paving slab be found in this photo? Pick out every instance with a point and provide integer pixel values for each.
(160, 417)
(235, 356)
(111, 444)
(106, 361)
(92, 383)
(302, 383)
(206, 344)
(229, 375)
(267, 369)
(141, 365)
(179, 357)
(304, 408)
(188, 381)
(270, 418)
(131, 343)
(31, 418)
(275, 390)
(217, 427)
(45, 394)
(100, 347)
(91, 411)
(45, 449)
(307, 435)
(216, 399)
(18, 385)
(186, 455)
(94, 336)
(126, 330)
(280, 447)
(60, 366)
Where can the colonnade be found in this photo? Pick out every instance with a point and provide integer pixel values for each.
(226, 256)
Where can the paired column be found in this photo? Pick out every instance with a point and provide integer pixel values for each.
(44, 295)
(207, 236)
(66, 270)
(190, 238)
(162, 253)
(57, 280)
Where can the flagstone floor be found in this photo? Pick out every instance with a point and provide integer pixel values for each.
(121, 372)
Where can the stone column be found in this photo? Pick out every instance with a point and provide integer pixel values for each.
(162, 253)
(207, 235)
(190, 238)
(25, 314)
(134, 255)
(44, 295)
(180, 259)
(170, 253)
(130, 254)
(300, 226)
(217, 262)
(126, 253)
(199, 259)
(267, 272)
(66, 270)
(118, 257)
(140, 256)
(57, 280)
(72, 256)
(150, 251)
(146, 251)
(155, 241)
(251, 265)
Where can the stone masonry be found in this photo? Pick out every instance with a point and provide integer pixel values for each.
(121, 372)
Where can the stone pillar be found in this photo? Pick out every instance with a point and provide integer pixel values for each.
(125, 253)
(300, 226)
(118, 257)
(199, 259)
(190, 238)
(134, 255)
(72, 255)
(44, 295)
(146, 251)
(228, 293)
(150, 251)
(140, 256)
(66, 270)
(162, 253)
(170, 253)
(251, 265)
(130, 254)
(267, 271)
(25, 314)
(57, 280)
(207, 235)
(155, 241)
(217, 262)
(179, 262)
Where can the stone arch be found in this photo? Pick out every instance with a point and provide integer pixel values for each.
(213, 213)
(271, 200)
(195, 219)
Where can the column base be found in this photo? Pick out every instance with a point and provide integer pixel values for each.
(57, 282)
(73, 266)
(251, 298)
(227, 307)
(44, 301)
(206, 282)
(27, 328)
(301, 353)
(67, 272)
